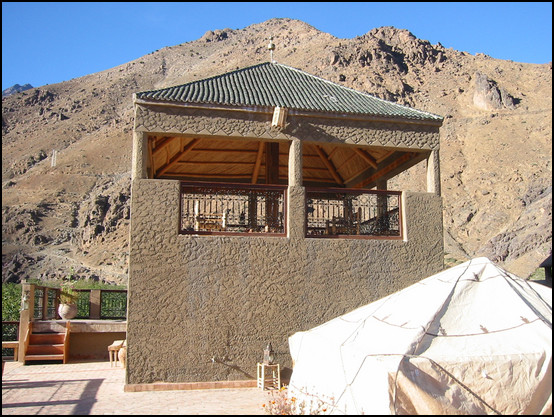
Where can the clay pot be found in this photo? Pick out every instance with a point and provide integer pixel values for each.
(122, 355)
(67, 311)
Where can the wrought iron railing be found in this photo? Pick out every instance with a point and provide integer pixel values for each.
(10, 331)
(113, 304)
(83, 304)
(334, 212)
(46, 303)
(232, 209)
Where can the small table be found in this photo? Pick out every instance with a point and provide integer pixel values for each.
(11, 345)
(113, 349)
(265, 381)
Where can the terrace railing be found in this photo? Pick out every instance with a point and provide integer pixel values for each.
(10, 332)
(232, 209)
(353, 213)
(91, 304)
(100, 304)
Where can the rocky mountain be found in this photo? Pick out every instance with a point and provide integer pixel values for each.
(16, 88)
(66, 148)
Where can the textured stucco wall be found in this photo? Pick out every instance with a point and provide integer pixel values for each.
(194, 298)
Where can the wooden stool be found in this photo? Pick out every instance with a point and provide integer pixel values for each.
(265, 381)
(113, 350)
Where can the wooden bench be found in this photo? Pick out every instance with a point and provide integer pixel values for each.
(11, 345)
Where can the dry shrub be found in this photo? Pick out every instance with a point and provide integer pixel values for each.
(279, 403)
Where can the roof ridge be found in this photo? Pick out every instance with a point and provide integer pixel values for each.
(357, 91)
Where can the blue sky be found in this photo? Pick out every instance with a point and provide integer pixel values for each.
(51, 42)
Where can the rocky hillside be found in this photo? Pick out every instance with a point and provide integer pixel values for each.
(66, 148)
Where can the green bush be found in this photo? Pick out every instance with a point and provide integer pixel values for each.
(11, 301)
(538, 275)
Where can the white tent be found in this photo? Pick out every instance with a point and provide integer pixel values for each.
(473, 339)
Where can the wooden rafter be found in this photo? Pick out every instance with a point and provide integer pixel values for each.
(200, 175)
(258, 163)
(346, 161)
(307, 179)
(271, 162)
(367, 157)
(386, 155)
(356, 175)
(305, 168)
(206, 163)
(162, 144)
(177, 156)
(150, 167)
(385, 170)
(243, 151)
(329, 165)
(335, 149)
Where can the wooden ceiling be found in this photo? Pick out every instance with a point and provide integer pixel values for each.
(258, 162)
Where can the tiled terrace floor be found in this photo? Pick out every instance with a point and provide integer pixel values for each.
(96, 388)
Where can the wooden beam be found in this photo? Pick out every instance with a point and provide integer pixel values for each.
(390, 167)
(360, 173)
(314, 169)
(346, 161)
(332, 152)
(245, 151)
(367, 157)
(150, 167)
(196, 175)
(215, 150)
(271, 163)
(163, 143)
(227, 162)
(329, 165)
(304, 156)
(177, 156)
(258, 163)
(326, 180)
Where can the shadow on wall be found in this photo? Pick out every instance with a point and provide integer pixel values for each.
(234, 367)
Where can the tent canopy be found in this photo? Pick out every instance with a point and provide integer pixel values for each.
(473, 339)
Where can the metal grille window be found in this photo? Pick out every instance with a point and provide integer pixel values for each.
(46, 303)
(83, 304)
(353, 213)
(232, 209)
(39, 301)
(113, 304)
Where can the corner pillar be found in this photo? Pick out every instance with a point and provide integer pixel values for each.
(26, 316)
(296, 195)
(141, 160)
(433, 173)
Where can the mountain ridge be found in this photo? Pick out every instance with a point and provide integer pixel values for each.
(16, 88)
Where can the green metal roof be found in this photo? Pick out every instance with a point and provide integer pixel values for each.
(271, 84)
